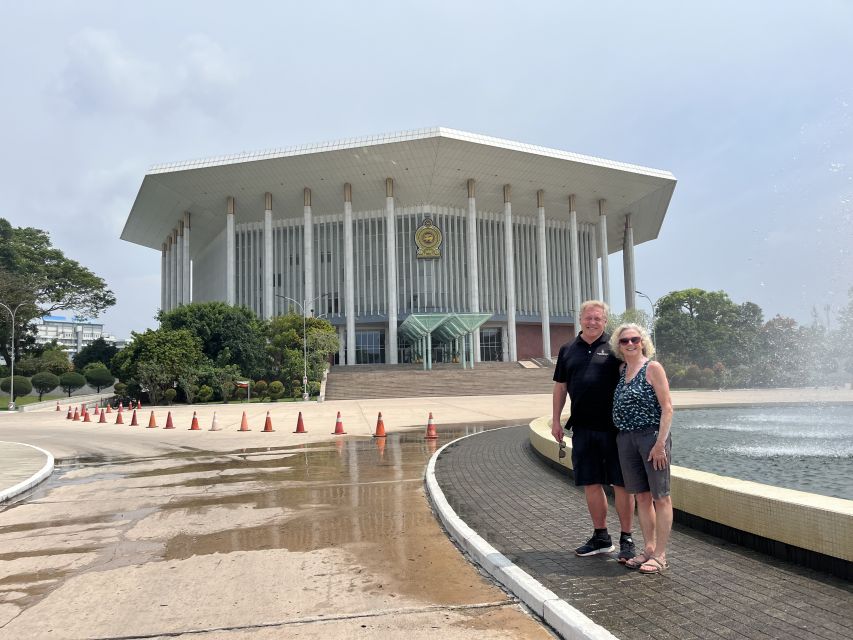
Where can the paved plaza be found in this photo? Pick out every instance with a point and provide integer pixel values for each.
(226, 534)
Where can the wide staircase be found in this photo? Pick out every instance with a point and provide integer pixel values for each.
(410, 380)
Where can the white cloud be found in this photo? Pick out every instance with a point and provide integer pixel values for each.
(104, 77)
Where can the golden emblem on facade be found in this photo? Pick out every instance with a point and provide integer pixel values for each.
(428, 238)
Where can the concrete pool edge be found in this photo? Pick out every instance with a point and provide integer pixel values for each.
(802, 520)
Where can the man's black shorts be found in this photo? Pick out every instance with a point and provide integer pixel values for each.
(595, 458)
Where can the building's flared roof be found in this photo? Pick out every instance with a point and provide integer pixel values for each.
(429, 166)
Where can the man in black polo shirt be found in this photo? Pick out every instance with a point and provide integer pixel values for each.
(587, 373)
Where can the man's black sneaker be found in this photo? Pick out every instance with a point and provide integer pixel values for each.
(595, 545)
(626, 549)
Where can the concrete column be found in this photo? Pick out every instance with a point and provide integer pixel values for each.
(349, 276)
(230, 252)
(473, 267)
(574, 246)
(391, 270)
(175, 282)
(308, 251)
(628, 264)
(509, 268)
(164, 277)
(179, 262)
(269, 276)
(188, 296)
(602, 239)
(542, 261)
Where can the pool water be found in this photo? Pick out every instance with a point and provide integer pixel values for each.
(804, 447)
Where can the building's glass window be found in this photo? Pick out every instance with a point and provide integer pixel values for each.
(490, 344)
(370, 346)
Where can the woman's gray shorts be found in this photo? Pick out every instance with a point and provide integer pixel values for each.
(639, 474)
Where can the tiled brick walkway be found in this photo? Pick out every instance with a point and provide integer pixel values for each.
(535, 516)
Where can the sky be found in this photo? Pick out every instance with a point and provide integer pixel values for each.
(748, 104)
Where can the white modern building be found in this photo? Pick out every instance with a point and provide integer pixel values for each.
(388, 236)
(72, 335)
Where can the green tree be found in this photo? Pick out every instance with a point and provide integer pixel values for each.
(23, 386)
(38, 276)
(228, 335)
(71, 381)
(98, 350)
(285, 346)
(98, 376)
(700, 327)
(54, 360)
(276, 390)
(157, 359)
(44, 382)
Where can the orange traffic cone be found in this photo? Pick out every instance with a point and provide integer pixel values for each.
(119, 419)
(380, 427)
(268, 424)
(244, 423)
(300, 426)
(86, 417)
(213, 425)
(69, 416)
(109, 409)
(339, 426)
(152, 422)
(103, 419)
(432, 445)
(430, 432)
(133, 421)
(57, 405)
(96, 412)
(82, 408)
(169, 424)
(120, 407)
(139, 404)
(194, 424)
(380, 446)
(76, 417)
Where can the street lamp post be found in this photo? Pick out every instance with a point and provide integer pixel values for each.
(302, 306)
(643, 295)
(12, 357)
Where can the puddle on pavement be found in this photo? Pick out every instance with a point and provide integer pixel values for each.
(364, 494)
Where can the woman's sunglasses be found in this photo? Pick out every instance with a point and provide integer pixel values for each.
(632, 340)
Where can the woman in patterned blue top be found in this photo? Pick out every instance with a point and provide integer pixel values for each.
(642, 412)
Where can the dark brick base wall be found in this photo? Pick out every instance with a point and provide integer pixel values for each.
(528, 339)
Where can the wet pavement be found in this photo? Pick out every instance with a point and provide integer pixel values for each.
(319, 539)
(535, 516)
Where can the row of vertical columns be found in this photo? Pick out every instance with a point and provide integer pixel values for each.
(349, 276)
(628, 264)
(179, 264)
(574, 246)
(544, 310)
(509, 265)
(173, 270)
(473, 271)
(391, 270)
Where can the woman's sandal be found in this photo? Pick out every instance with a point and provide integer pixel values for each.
(653, 565)
(637, 561)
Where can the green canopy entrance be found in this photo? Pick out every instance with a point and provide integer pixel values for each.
(419, 329)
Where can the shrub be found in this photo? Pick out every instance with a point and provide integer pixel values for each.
(23, 386)
(314, 388)
(240, 393)
(71, 381)
(99, 377)
(120, 388)
(276, 389)
(259, 387)
(205, 393)
(170, 394)
(44, 382)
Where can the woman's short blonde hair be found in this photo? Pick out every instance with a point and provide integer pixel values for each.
(648, 347)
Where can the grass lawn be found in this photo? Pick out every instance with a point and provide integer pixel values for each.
(20, 402)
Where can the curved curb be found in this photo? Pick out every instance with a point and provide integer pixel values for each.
(563, 618)
(39, 476)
